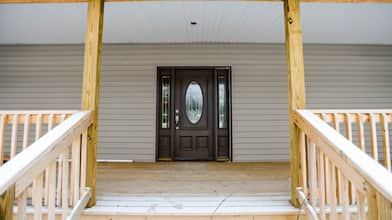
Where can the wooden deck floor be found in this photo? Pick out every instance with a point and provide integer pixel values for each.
(192, 188)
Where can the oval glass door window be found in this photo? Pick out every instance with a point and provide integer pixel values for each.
(194, 102)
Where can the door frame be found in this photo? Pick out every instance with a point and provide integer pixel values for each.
(172, 70)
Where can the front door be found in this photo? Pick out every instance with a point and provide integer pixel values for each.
(193, 114)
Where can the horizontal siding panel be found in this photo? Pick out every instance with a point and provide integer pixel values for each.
(337, 76)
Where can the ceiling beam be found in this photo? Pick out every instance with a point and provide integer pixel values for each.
(83, 1)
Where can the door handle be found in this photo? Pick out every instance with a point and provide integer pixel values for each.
(177, 119)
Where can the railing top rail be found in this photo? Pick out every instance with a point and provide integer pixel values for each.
(352, 111)
(321, 132)
(34, 159)
(32, 112)
(57, 115)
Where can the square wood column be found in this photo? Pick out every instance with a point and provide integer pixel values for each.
(91, 86)
(296, 86)
(7, 204)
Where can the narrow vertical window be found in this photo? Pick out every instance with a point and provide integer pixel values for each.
(165, 100)
(222, 105)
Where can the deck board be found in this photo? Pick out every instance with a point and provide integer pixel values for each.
(192, 189)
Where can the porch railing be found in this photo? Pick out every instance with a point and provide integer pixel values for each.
(368, 129)
(339, 178)
(18, 129)
(49, 175)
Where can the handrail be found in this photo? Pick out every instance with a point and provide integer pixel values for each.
(48, 159)
(26, 162)
(347, 151)
(336, 174)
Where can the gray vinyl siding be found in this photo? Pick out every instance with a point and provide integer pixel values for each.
(353, 78)
(337, 76)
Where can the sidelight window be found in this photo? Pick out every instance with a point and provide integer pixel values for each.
(165, 99)
(222, 104)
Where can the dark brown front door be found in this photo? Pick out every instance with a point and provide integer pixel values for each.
(193, 114)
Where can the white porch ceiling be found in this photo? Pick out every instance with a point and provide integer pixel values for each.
(156, 22)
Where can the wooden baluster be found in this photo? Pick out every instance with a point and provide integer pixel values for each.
(332, 191)
(21, 213)
(387, 149)
(52, 191)
(349, 136)
(327, 180)
(13, 152)
(303, 162)
(336, 123)
(38, 183)
(362, 146)
(3, 125)
(14, 135)
(38, 126)
(345, 198)
(83, 158)
(14, 142)
(63, 117)
(373, 137)
(361, 206)
(312, 173)
(51, 122)
(75, 169)
(361, 136)
(37, 197)
(38, 132)
(348, 125)
(324, 117)
(26, 131)
(64, 188)
(321, 183)
(372, 203)
(23, 196)
(59, 172)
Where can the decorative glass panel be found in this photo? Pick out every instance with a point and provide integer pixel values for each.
(194, 102)
(165, 117)
(222, 102)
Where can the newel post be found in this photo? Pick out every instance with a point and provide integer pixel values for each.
(296, 87)
(7, 204)
(91, 81)
(378, 206)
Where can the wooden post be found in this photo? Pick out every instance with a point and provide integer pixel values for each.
(296, 87)
(7, 204)
(91, 79)
(378, 206)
